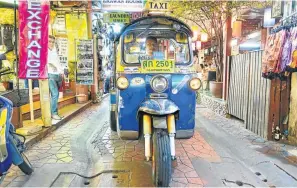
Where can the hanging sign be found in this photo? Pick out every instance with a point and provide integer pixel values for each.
(277, 9)
(122, 5)
(157, 6)
(85, 63)
(33, 38)
(62, 53)
(116, 17)
(60, 24)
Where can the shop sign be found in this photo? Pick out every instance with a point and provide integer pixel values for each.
(277, 9)
(62, 49)
(122, 5)
(116, 17)
(157, 6)
(136, 15)
(33, 38)
(85, 63)
(60, 24)
(235, 50)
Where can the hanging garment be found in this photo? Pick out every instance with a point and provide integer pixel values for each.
(285, 55)
(291, 66)
(273, 50)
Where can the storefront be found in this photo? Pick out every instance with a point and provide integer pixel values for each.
(71, 25)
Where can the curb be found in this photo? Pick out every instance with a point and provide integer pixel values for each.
(30, 142)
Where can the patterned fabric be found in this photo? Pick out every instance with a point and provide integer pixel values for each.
(285, 56)
(280, 54)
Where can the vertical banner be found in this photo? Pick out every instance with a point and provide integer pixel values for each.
(85, 62)
(62, 53)
(33, 38)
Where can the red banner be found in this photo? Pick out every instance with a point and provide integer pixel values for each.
(33, 38)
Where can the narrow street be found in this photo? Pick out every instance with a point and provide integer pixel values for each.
(222, 153)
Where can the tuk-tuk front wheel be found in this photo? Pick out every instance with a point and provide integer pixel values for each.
(161, 159)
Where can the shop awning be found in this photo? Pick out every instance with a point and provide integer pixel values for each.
(7, 3)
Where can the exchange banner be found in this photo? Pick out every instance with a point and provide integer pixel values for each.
(33, 38)
(157, 66)
(85, 62)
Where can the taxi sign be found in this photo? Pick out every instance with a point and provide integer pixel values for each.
(157, 66)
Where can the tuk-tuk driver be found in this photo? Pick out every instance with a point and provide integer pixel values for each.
(150, 46)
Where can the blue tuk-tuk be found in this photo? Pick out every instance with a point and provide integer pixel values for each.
(155, 88)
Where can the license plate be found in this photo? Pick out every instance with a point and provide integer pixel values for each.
(157, 66)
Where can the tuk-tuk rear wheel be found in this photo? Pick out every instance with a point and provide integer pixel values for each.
(113, 121)
(161, 158)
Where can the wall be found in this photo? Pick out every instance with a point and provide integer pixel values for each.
(293, 111)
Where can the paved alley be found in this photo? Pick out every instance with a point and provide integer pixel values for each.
(221, 153)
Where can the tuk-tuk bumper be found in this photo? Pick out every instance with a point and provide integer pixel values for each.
(158, 107)
(161, 107)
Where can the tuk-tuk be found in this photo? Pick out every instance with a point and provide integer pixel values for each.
(155, 88)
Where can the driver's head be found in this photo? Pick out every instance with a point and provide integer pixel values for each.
(150, 45)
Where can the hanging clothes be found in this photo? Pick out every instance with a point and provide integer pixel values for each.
(285, 55)
(291, 65)
(272, 54)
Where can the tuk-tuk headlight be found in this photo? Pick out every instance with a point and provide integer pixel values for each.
(195, 83)
(159, 83)
(122, 82)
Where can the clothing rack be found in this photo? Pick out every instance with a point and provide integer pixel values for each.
(283, 19)
(286, 25)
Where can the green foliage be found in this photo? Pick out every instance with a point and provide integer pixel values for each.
(210, 16)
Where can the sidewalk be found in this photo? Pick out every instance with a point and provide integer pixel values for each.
(220, 149)
(237, 129)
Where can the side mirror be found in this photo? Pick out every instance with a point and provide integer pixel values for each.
(128, 38)
(181, 38)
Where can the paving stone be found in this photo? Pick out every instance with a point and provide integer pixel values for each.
(178, 174)
(191, 174)
(176, 184)
(180, 180)
(196, 181)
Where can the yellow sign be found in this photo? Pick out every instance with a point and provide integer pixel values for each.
(157, 66)
(116, 17)
(157, 6)
(134, 49)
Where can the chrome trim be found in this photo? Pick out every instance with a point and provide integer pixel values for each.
(159, 122)
(113, 107)
(158, 96)
(163, 108)
(159, 75)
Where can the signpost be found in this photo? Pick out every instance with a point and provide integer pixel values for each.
(33, 40)
(85, 64)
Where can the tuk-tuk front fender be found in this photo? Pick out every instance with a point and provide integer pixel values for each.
(158, 107)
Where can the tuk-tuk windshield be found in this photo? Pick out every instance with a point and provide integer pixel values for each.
(162, 45)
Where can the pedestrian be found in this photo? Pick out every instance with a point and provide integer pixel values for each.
(55, 73)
